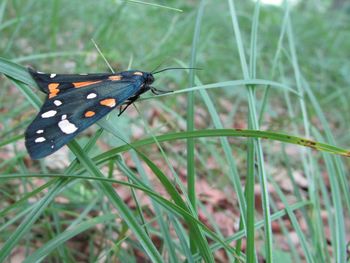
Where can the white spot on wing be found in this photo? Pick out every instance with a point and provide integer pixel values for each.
(39, 72)
(52, 146)
(49, 114)
(91, 96)
(66, 126)
(52, 75)
(40, 139)
(57, 102)
(39, 131)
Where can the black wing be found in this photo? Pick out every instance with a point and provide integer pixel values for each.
(74, 103)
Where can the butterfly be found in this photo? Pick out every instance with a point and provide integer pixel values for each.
(76, 101)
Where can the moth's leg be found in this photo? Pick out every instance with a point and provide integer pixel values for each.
(128, 103)
(159, 91)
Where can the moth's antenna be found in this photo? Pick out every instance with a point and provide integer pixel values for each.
(104, 58)
(165, 69)
(157, 67)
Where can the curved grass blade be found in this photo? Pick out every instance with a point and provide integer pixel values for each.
(229, 133)
(117, 201)
(156, 5)
(69, 233)
(16, 71)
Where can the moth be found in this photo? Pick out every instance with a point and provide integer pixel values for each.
(76, 101)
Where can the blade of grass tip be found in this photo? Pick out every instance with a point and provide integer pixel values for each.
(16, 71)
(252, 146)
(191, 180)
(155, 5)
(118, 203)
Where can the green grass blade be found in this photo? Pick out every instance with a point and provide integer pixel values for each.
(69, 233)
(155, 5)
(29, 220)
(199, 241)
(226, 132)
(191, 176)
(15, 71)
(116, 200)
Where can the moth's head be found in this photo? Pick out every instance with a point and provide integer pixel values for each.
(148, 78)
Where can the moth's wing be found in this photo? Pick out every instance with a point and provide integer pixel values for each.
(71, 111)
(47, 81)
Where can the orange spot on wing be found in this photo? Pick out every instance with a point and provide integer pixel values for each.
(115, 77)
(89, 114)
(84, 83)
(53, 90)
(108, 102)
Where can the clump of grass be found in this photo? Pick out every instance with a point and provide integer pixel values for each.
(261, 61)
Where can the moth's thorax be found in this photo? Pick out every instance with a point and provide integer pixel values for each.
(147, 77)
